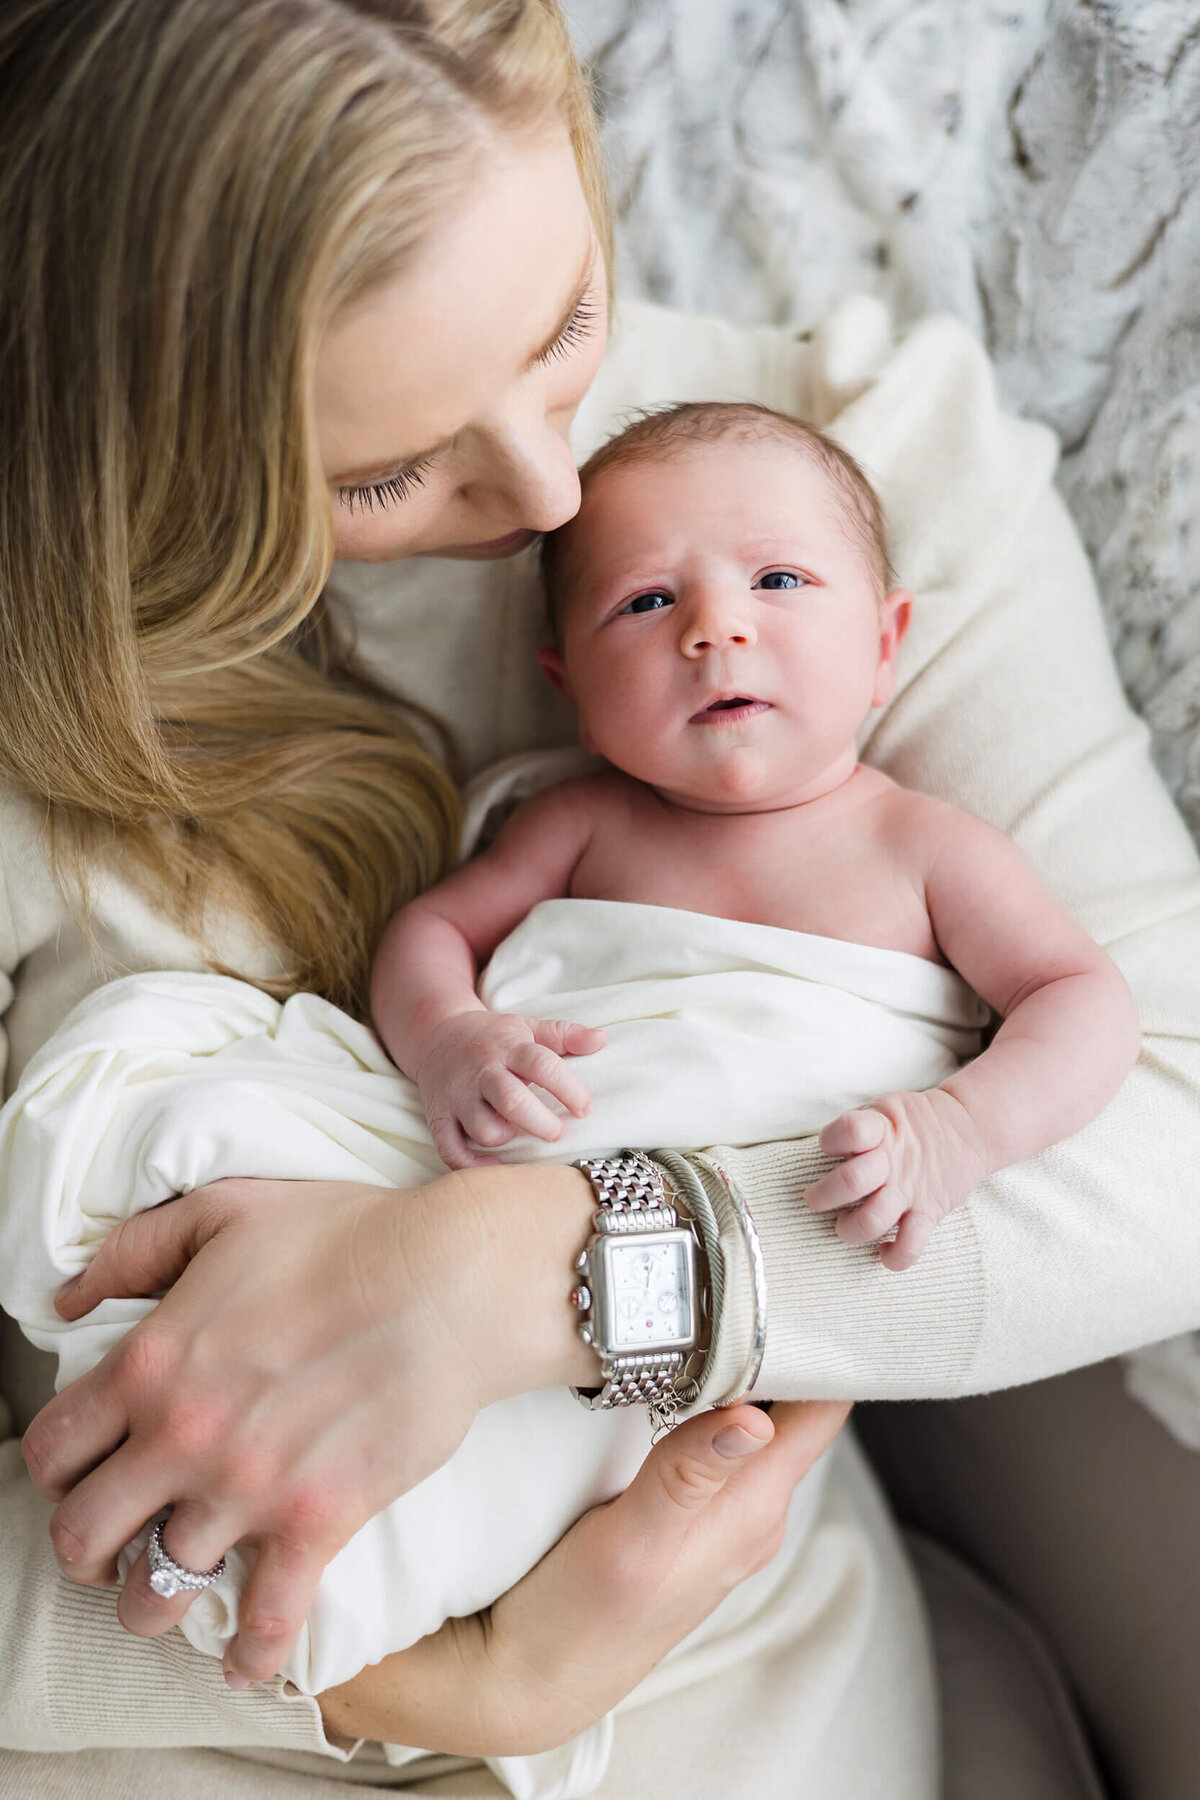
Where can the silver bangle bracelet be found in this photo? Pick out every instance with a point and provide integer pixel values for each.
(714, 1200)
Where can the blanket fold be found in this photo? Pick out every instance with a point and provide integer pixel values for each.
(718, 1031)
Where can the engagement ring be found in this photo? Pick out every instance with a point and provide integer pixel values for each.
(167, 1577)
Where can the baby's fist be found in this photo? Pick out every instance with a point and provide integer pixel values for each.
(476, 1077)
(907, 1161)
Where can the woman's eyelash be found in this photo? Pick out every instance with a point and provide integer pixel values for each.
(397, 487)
(382, 494)
(579, 326)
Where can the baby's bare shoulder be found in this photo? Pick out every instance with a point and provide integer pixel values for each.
(926, 833)
(578, 804)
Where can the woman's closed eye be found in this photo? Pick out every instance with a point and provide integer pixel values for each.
(371, 494)
(577, 329)
(368, 495)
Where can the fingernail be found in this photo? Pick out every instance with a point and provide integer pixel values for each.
(239, 1683)
(735, 1441)
(67, 1286)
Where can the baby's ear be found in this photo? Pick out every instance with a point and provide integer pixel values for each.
(553, 668)
(895, 614)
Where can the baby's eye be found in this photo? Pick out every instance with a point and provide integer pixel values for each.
(652, 602)
(779, 578)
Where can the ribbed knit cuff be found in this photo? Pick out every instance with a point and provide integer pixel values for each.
(106, 1688)
(839, 1324)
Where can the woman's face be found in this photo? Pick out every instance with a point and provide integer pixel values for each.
(443, 398)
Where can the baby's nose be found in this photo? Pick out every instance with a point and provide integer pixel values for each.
(714, 627)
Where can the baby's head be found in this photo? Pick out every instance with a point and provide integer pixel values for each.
(722, 606)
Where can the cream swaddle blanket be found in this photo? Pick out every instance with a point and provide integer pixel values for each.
(718, 1030)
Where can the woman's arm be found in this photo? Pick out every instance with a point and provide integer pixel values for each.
(287, 1411)
(704, 1511)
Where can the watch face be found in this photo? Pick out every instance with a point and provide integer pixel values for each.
(651, 1293)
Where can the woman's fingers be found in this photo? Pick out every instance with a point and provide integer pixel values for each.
(149, 1251)
(272, 1609)
(194, 1536)
(87, 1421)
(104, 1511)
(804, 1430)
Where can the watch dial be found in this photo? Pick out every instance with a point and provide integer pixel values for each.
(650, 1294)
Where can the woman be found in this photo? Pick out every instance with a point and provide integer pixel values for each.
(235, 227)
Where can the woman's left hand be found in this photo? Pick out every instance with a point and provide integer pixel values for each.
(626, 1584)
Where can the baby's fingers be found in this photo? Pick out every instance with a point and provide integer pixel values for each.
(511, 1098)
(866, 1223)
(450, 1142)
(533, 1062)
(850, 1182)
(863, 1129)
(915, 1231)
(566, 1039)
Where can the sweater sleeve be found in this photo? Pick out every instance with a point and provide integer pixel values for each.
(73, 1677)
(1008, 705)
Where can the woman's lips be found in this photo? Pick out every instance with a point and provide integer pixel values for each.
(734, 710)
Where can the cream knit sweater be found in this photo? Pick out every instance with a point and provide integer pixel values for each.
(1008, 705)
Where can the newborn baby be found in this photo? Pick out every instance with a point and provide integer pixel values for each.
(724, 623)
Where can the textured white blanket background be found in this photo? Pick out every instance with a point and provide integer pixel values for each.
(1030, 165)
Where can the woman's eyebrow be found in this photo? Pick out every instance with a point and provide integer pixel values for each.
(380, 471)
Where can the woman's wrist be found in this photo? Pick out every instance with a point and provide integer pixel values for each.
(527, 1223)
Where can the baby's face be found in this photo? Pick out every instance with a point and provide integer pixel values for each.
(723, 637)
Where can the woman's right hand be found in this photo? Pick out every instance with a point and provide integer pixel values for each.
(621, 1588)
(322, 1348)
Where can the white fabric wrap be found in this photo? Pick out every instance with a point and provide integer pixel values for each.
(160, 1082)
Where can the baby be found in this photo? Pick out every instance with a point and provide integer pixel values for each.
(724, 622)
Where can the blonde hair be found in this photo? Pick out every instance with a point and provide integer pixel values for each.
(655, 433)
(191, 190)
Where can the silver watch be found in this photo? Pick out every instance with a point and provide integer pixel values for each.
(638, 1296)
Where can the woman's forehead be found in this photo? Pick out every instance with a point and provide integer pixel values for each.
(420, 358)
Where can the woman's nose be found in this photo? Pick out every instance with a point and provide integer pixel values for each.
(526, 476)
(714, 623)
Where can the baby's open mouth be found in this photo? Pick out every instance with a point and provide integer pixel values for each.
(729, 709)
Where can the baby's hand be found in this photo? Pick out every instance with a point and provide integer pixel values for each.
(474, 1080)
(908, 1160)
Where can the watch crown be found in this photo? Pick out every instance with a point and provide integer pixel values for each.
(581, 1297)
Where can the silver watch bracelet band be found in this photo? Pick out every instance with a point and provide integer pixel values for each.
(736, 1268)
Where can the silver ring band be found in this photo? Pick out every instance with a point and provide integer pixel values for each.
(167, 1577)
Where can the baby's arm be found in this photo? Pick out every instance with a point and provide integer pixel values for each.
(471, 1066)
(1070, 1036)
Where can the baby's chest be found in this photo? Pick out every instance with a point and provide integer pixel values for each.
(860, 891)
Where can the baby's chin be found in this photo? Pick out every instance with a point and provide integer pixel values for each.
(738, 786)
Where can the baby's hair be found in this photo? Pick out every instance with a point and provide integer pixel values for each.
(655, 433)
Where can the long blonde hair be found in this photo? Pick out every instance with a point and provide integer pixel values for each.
(190, 190)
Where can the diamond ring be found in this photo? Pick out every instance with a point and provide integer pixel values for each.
(167, 1577)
